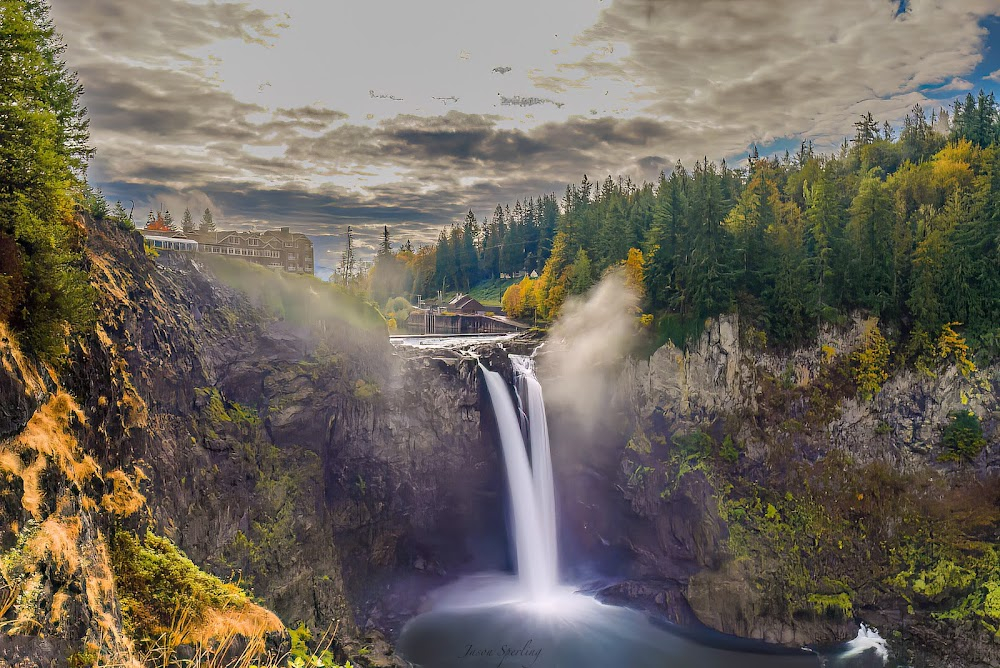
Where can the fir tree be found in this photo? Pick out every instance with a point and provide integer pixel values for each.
(207, 222)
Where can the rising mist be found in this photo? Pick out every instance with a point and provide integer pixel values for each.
(583, 355)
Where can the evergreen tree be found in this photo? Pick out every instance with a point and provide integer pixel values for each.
(207, 222)
(580, 274)
(870, 228)
(444, 263)
(168, 220)
(44, 287)
(121, 216)
(385, 248)
(187, 224)
(824, 241)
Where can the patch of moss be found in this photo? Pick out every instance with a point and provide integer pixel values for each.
(835, 606)
(155, 580)
(365, 390)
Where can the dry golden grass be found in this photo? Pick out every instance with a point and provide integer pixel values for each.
(104, 278)
(9, 461)
(215, 636)
(102, 336)
(32, 497)
(59, 600)
(57, 539)
(251, 621)
(49, 436)
(8, 597)
(16, 364)
(124, 499)
(48, 432)
(101, 598)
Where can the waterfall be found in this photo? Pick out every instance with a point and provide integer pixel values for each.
(530, 485)
(529, 393)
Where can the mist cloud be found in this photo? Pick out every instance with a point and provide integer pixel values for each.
(585, 350)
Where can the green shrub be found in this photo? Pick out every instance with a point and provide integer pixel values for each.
(963, 437)
(730, 450)
(870, 363)
(365, 390)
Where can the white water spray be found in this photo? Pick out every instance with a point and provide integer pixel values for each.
(867, 639)
(531, 488)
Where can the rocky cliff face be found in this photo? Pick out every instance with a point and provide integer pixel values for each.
(765, 495)
(287, 443)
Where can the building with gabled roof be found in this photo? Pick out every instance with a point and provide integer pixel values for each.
(465, 304)
(276, 249)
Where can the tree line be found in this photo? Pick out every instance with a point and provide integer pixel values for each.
(905, 227)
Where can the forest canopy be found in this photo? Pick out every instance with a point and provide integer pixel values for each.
(904, 227)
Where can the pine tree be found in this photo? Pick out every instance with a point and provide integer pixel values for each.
(581, 275)
(187, 224)
(121, 216)
(444, 263)
(385, 248)
(207, 222)
(43, 155)
(168, 220)
(871, 227)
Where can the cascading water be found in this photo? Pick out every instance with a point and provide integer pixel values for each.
(535, 566)
(529, 393)
(494, 620)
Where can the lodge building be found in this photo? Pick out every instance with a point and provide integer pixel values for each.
(275, 249)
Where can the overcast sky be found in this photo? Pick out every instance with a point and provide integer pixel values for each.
(321, 113)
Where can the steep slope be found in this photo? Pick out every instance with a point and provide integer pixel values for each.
(264, 425)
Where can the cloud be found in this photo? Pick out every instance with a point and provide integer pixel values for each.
(958, 83)
(162, 30)
(738, 72)
(273, 118)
